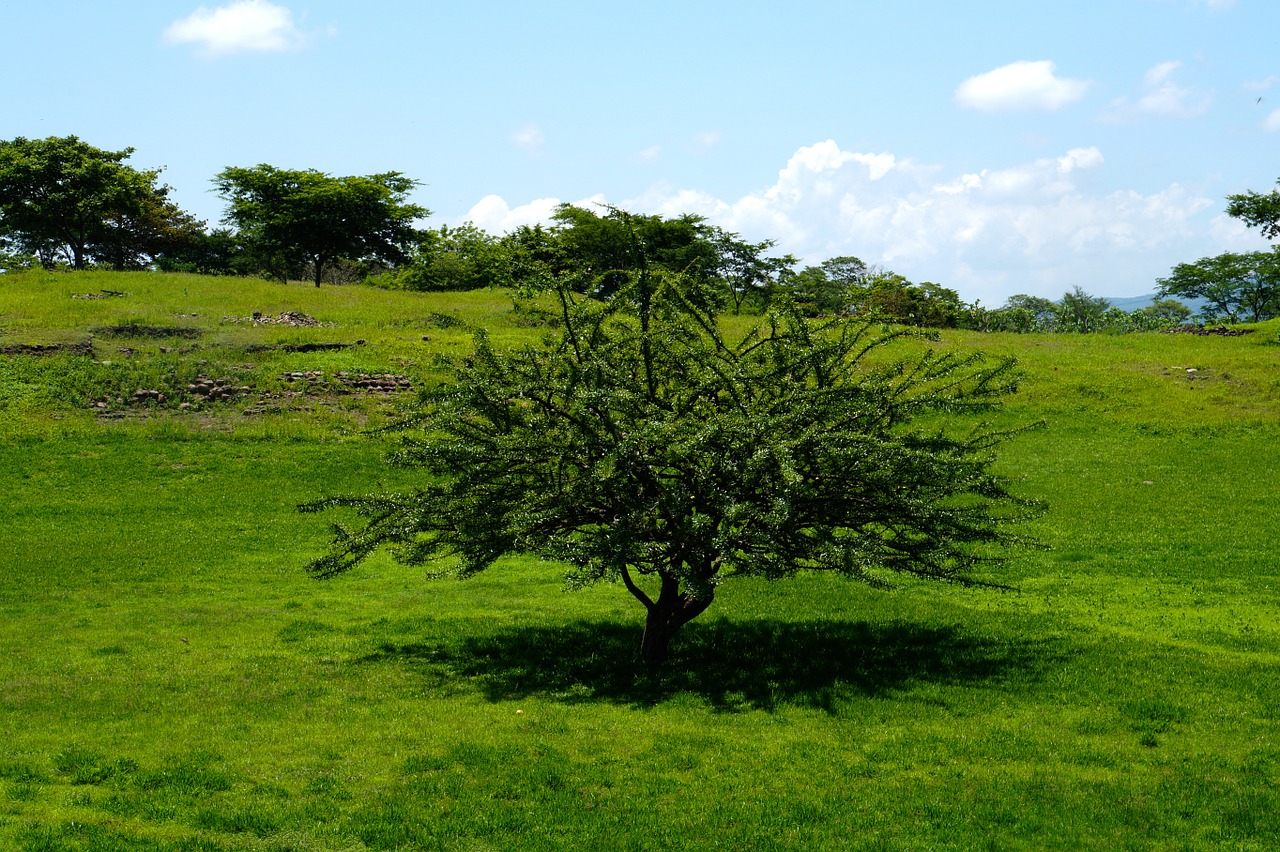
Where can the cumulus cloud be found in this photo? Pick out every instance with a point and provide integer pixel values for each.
(1161, 96)
(1020, 86)
(1032, 227)
(242, 26)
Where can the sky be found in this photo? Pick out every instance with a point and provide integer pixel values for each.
(994, 147)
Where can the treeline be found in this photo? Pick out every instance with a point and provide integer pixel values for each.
(66, 203)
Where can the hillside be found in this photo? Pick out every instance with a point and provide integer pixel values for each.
(172, 680)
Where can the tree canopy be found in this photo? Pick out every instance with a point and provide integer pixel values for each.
(63, 198)
(1235, 285)
(1257, 210)
(641, 444)
(293, 220)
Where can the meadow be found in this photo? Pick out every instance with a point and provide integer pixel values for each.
(170, 679)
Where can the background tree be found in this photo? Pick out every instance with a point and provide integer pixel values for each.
(1231, 283)
(1080, 311)
(136, 236)
(1257, 210)
(1170, 311)
(61, 197)
(639, 444)
(835, 286)
(295, 219)
(460, 258)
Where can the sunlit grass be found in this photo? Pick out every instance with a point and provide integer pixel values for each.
(171, 680)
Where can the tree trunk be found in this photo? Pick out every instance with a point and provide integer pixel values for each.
(673, 610)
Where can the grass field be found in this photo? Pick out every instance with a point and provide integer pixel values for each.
(171, 680)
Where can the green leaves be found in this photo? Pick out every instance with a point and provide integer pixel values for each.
(640, 438)
(292, 218)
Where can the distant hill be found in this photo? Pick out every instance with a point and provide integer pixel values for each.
(1134, 303)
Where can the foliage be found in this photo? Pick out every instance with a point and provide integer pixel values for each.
(217, 252)
(1169, 311)
(293, 220)
(1257, 211)
(154, 623)
(63, 198)
(1233, 284)
(1081, 312)
(460, 258)
(641, 441)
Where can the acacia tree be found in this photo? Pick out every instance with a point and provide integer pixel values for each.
(295, 218)
(1257, 210)
(61, 196)
(640, 444)
(1232, 283)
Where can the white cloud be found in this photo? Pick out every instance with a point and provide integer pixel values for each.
(245, 25)
(1018, 86)
(1161, 96)
(493, 214)
(1272, 122)
(1263, 84)
(528, 137)
(1034, 227)
(650, 154)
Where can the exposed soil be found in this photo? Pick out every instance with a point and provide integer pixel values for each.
(85, 349)
(311, 383)
(148, 331)
(1220, 331)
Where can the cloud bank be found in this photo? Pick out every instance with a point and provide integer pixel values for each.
(1161, 96)
(1020, 86)
(245, 26)
(1033, 228)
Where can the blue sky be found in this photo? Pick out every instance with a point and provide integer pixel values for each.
(992, 147)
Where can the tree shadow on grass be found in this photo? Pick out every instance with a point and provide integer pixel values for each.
(731, 665)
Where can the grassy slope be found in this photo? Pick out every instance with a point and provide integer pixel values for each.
(170, 680)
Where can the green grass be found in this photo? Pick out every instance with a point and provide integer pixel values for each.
(170, 679)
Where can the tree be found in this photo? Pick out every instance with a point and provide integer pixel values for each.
(136, 236)
(602, 251)
(834, 286)
(292, 219)
(1167, 311)
(640, 444)
(1232, 283)
(61, 197)
(1257, 211)
(1079, 311)
(749, 275)
(461, 258)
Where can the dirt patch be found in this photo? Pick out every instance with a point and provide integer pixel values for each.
(1219, 331)
(149, 331)
(84, 349)
(101, 294)
(301, 347)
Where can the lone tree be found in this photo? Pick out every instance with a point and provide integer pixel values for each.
(640, 443)
(292, 219)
